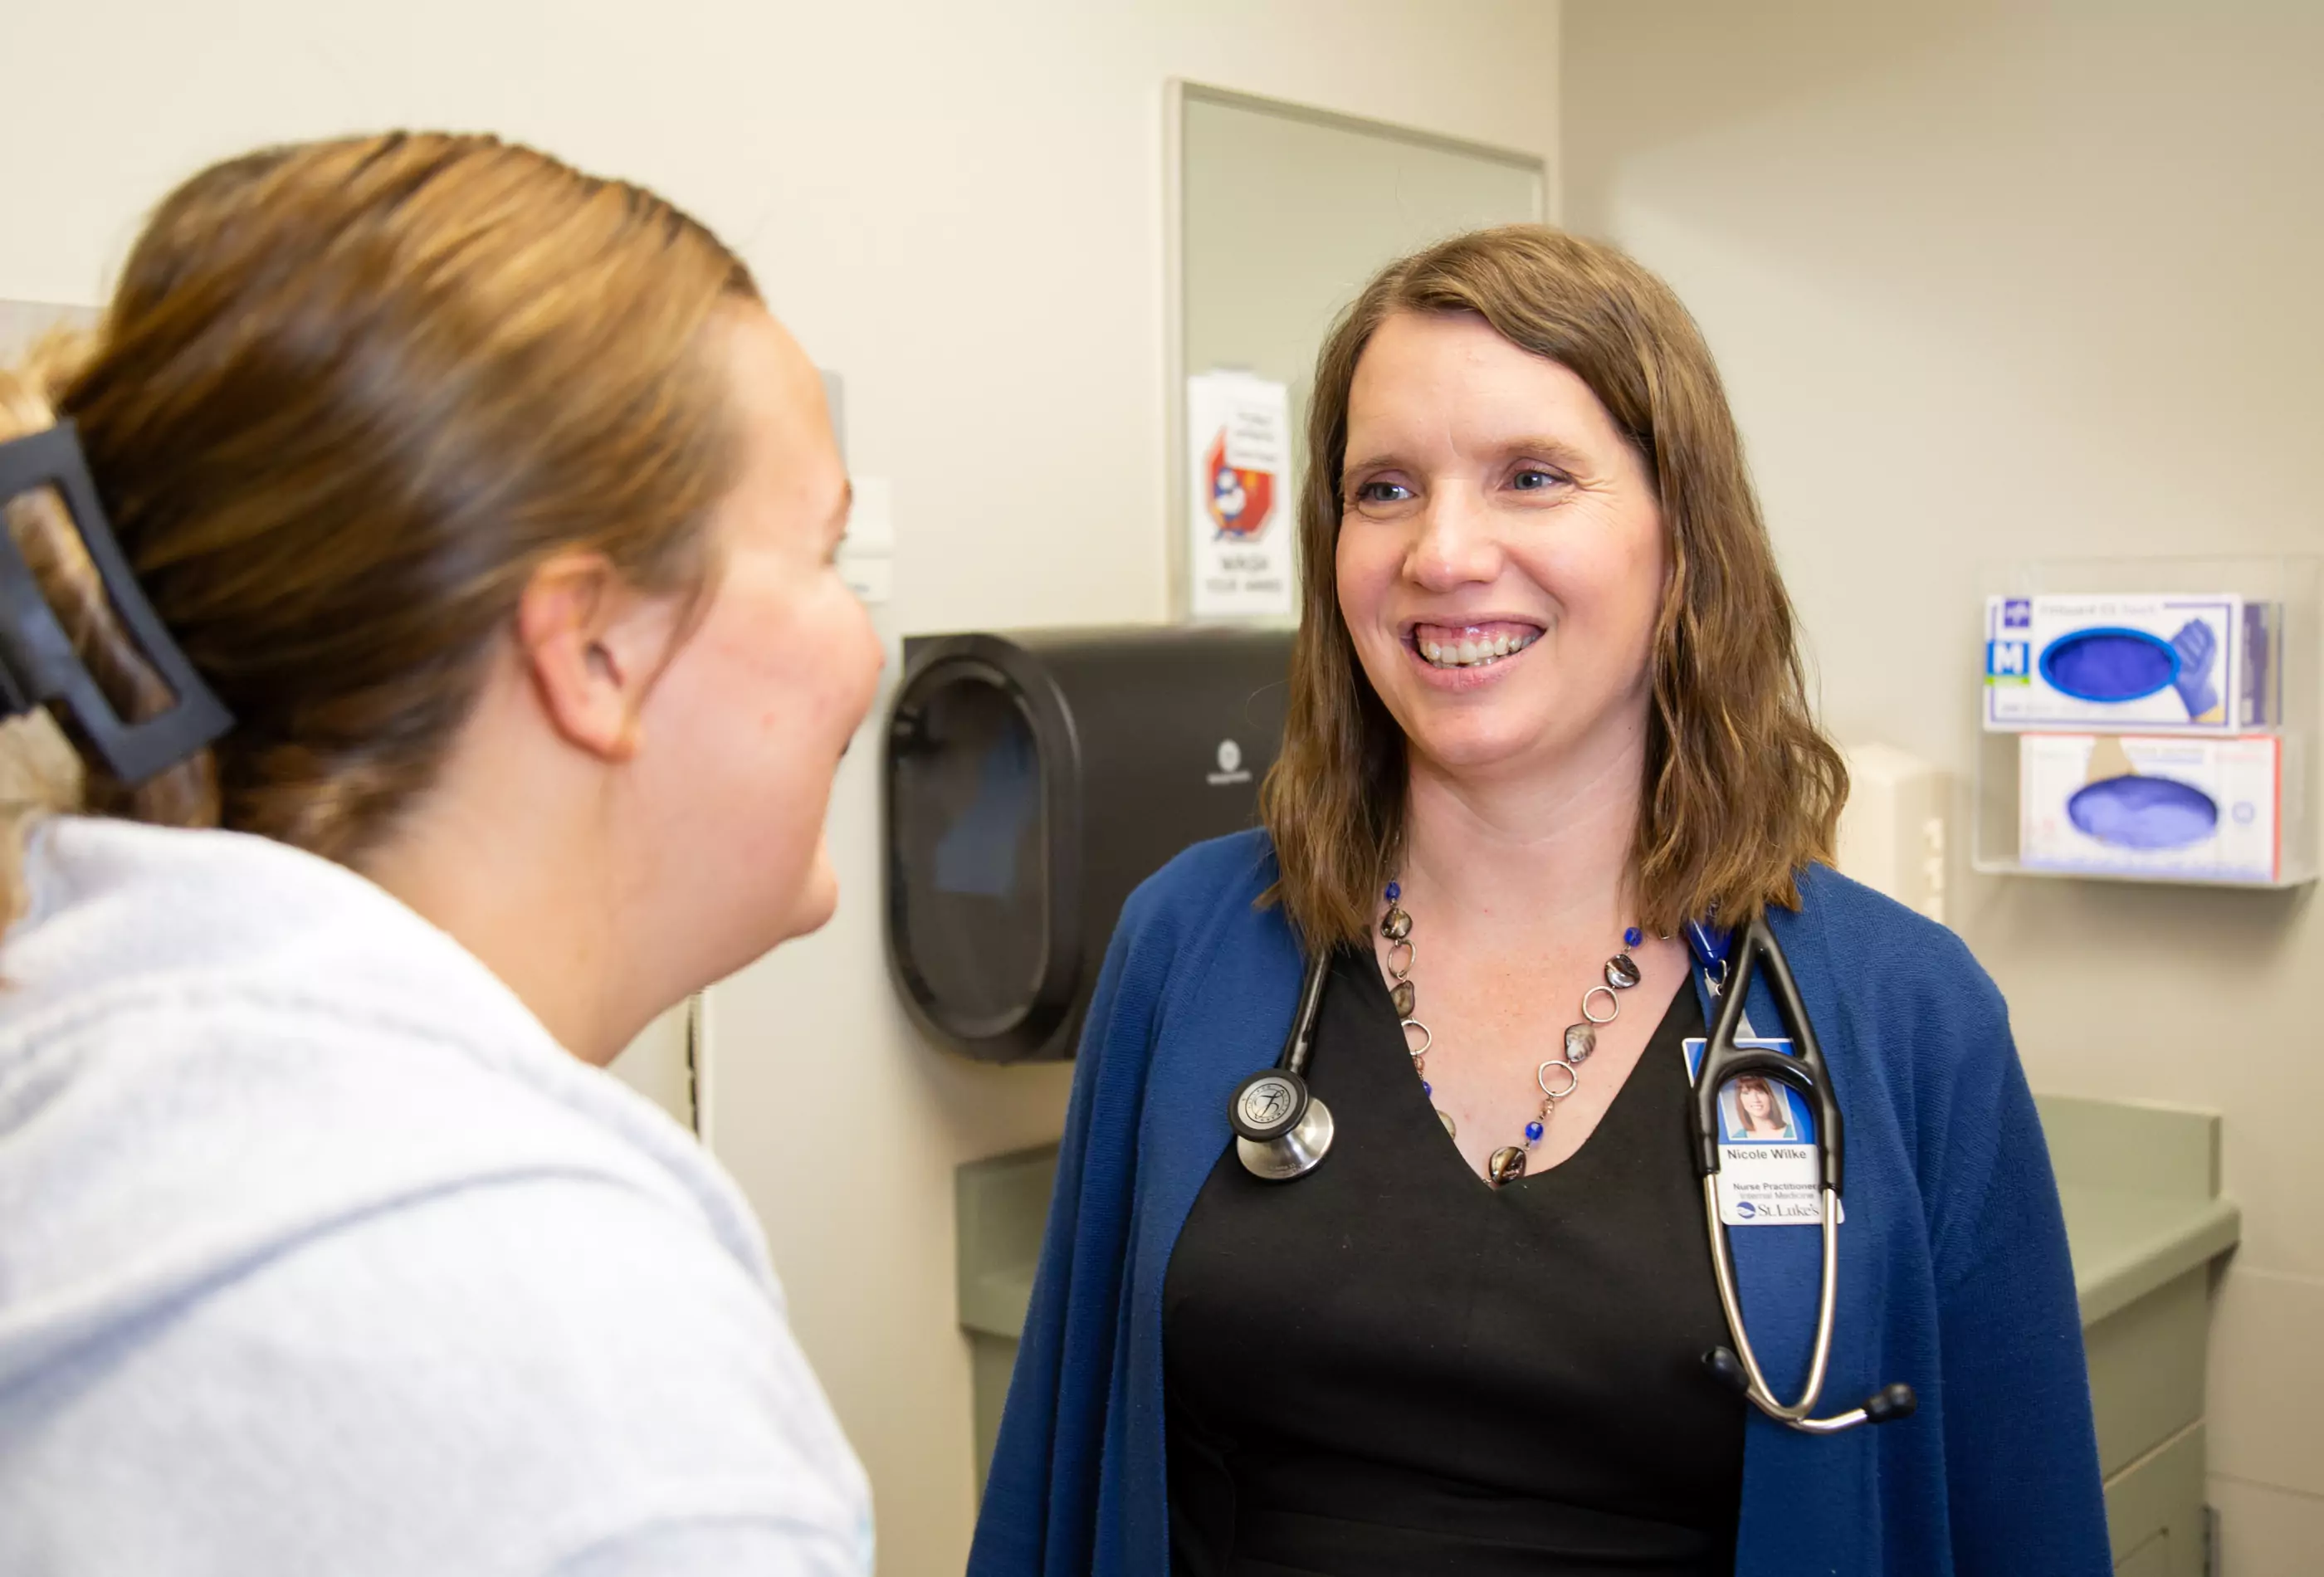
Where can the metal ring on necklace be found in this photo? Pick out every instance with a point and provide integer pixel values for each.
(1573, 1079)
(1613, 1004)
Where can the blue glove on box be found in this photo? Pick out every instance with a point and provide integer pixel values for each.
(2197, 647)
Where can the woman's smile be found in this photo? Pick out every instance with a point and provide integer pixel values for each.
(1469, 645)
(1462, 657)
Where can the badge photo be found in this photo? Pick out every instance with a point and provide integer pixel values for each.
(1756, 1110)
(1768, 1171)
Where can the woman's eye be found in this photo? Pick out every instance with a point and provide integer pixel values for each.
(1382, 493)
(1534, 478)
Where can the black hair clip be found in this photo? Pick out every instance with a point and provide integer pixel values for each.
(38, 662)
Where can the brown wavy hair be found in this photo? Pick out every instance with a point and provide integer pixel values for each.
(1741, 790)
(347, 396)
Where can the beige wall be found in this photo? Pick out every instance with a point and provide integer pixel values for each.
(1994, 282)
(960, 208)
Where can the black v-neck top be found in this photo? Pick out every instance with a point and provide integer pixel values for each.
(1388, 1367)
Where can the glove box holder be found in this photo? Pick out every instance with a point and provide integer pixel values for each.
(2230, 801)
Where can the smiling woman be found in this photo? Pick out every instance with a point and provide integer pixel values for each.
(1469, 537)
(1547, 715)
(1526, 375)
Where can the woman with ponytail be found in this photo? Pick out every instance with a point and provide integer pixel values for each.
(495, 516)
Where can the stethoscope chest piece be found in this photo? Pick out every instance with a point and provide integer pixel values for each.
(1281, 1131)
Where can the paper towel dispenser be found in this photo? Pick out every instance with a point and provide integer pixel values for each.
(1033, 778)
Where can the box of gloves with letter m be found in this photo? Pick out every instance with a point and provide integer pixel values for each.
(2156, 664)
(2141, 724)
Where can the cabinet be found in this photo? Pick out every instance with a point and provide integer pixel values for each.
(2146, 1224)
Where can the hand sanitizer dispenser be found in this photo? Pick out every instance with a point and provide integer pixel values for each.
(1892, 833)
(1033, 779)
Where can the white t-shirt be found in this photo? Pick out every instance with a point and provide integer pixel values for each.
(319, 1254)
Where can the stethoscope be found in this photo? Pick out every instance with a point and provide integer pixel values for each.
(1282, 1132)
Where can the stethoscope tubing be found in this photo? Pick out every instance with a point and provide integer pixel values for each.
(1722, 1265)
(1803, 1069)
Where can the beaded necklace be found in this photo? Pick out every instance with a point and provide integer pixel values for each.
(1508, 1162)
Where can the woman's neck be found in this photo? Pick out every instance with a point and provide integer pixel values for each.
(1548, 850)
(511, 852)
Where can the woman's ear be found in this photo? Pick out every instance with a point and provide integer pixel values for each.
(592, 646)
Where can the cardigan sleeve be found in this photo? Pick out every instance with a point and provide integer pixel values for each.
(1039, 1514)
(2021, 1453)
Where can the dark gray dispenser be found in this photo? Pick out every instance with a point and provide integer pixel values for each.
(1033, 778)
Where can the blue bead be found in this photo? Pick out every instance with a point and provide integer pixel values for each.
(1395, 890)
(1533, 1133)
(1633, 937)
(1426, 1088)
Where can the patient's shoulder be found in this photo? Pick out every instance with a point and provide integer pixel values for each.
(491, 1373)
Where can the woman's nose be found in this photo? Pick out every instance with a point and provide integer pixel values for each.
(1454, 544)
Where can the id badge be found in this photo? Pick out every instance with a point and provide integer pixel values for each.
(1768, 1172)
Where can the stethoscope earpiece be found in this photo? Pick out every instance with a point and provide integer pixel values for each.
(1894, 1402)
(1722, 1362)
(1886, 1405)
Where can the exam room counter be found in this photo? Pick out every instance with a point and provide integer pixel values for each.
(2145, 1223)
(2144, 1220)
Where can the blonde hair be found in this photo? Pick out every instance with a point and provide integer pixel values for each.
(347, 396)
(1741, 790)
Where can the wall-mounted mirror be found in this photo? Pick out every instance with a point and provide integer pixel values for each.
(1278, 214)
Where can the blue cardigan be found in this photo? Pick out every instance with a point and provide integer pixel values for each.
(1953, 1273)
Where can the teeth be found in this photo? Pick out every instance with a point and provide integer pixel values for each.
(1469, 653)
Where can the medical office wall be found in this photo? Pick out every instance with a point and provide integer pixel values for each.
(1993, 284)
(960, 209)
